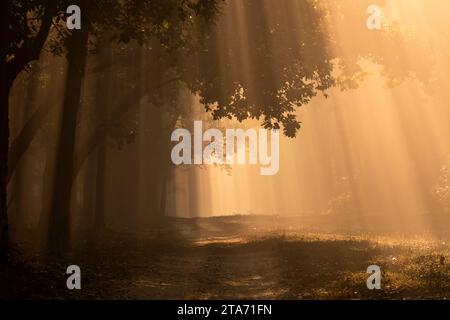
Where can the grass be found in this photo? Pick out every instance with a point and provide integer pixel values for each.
(236, 258)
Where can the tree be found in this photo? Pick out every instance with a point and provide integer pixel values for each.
(141, 21)
(279, 64)
(282, 66)
(22, 39)
(26, 26)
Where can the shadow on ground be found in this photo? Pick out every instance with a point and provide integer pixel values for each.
(233, 258)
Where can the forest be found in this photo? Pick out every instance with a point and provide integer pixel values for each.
(96, 95)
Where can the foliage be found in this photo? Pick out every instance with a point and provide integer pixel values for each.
(433, 269)
(265, 68)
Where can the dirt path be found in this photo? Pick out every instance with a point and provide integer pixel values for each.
(228, 259)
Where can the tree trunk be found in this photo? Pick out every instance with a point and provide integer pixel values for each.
(47, 188)
(20, 194)
(103, 93)
(87, 206)
(100, 188)
(4, 142)
(8, 72)
(59, 227)
(163, 204)
(4, 115)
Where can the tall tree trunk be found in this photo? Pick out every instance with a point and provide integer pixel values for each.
(20, 196)
(100, 184)
(5, 86)
(103, 93)
(47, 188)
(8, 72)
(59, 226)
(163, 203)
(4, 142)
(87, 206)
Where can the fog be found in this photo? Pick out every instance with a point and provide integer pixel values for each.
(372, 151)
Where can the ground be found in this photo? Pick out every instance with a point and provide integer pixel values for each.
(236, 258)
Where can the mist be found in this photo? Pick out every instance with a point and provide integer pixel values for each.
(362, 117)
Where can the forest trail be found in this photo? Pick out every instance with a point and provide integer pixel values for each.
(242, 258)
